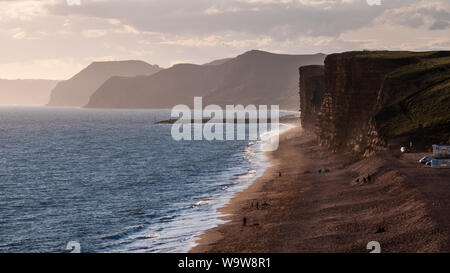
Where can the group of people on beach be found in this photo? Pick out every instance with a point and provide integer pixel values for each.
(365, 179)
(265, 204)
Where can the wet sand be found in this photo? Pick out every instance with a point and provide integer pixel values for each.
(404, 206)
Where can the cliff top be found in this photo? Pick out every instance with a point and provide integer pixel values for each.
(418, 97)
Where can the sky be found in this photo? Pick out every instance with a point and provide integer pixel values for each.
(54, 39)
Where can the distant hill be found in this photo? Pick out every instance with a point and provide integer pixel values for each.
(219, 62)
(25, 92)
(178, 84)
(255, 77)
(258, 77)
(77, 90)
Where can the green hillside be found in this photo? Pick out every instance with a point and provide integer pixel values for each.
(418, 96)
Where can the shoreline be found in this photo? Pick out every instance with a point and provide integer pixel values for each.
(292, 122)
(304, 211)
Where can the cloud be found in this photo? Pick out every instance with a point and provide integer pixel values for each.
(23, 10)
(216, 40)
(255, 17)
(18, 33)
(218, 10)
(94, 33)
(434, 14)
(281, 20)
(161, 31)
(441, 24)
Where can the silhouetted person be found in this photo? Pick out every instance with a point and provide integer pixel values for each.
(257, 205)
(245, 221)
(381, 230)
(279, 174)
(369, 178)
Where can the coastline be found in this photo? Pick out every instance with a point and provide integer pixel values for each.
(305, 211)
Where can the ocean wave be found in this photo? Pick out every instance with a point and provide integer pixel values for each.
(126, 231)
(148, 236)
(180, 234)
(201, 203)
(167, 218)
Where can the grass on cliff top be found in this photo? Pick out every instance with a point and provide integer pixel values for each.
(427, 109)
(397, 55)
(407, 62)
(426, 74)
(417, 90)
(423, 108)
(437, 66)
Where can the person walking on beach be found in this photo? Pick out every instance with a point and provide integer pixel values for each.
(245, 221)
(279, 173)
(257, 205)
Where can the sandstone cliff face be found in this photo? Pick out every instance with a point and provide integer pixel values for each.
(312, 82)
(373, 97)
(352, 87)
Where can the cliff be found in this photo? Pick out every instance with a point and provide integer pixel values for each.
(261, 78)
(255, 77)
(165, 89)
(25, 92)
(77, 90)
(312, 81)
(374, 98)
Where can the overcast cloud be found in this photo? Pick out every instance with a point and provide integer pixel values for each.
(51, 39)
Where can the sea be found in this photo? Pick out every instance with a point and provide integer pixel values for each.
(113, 180)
